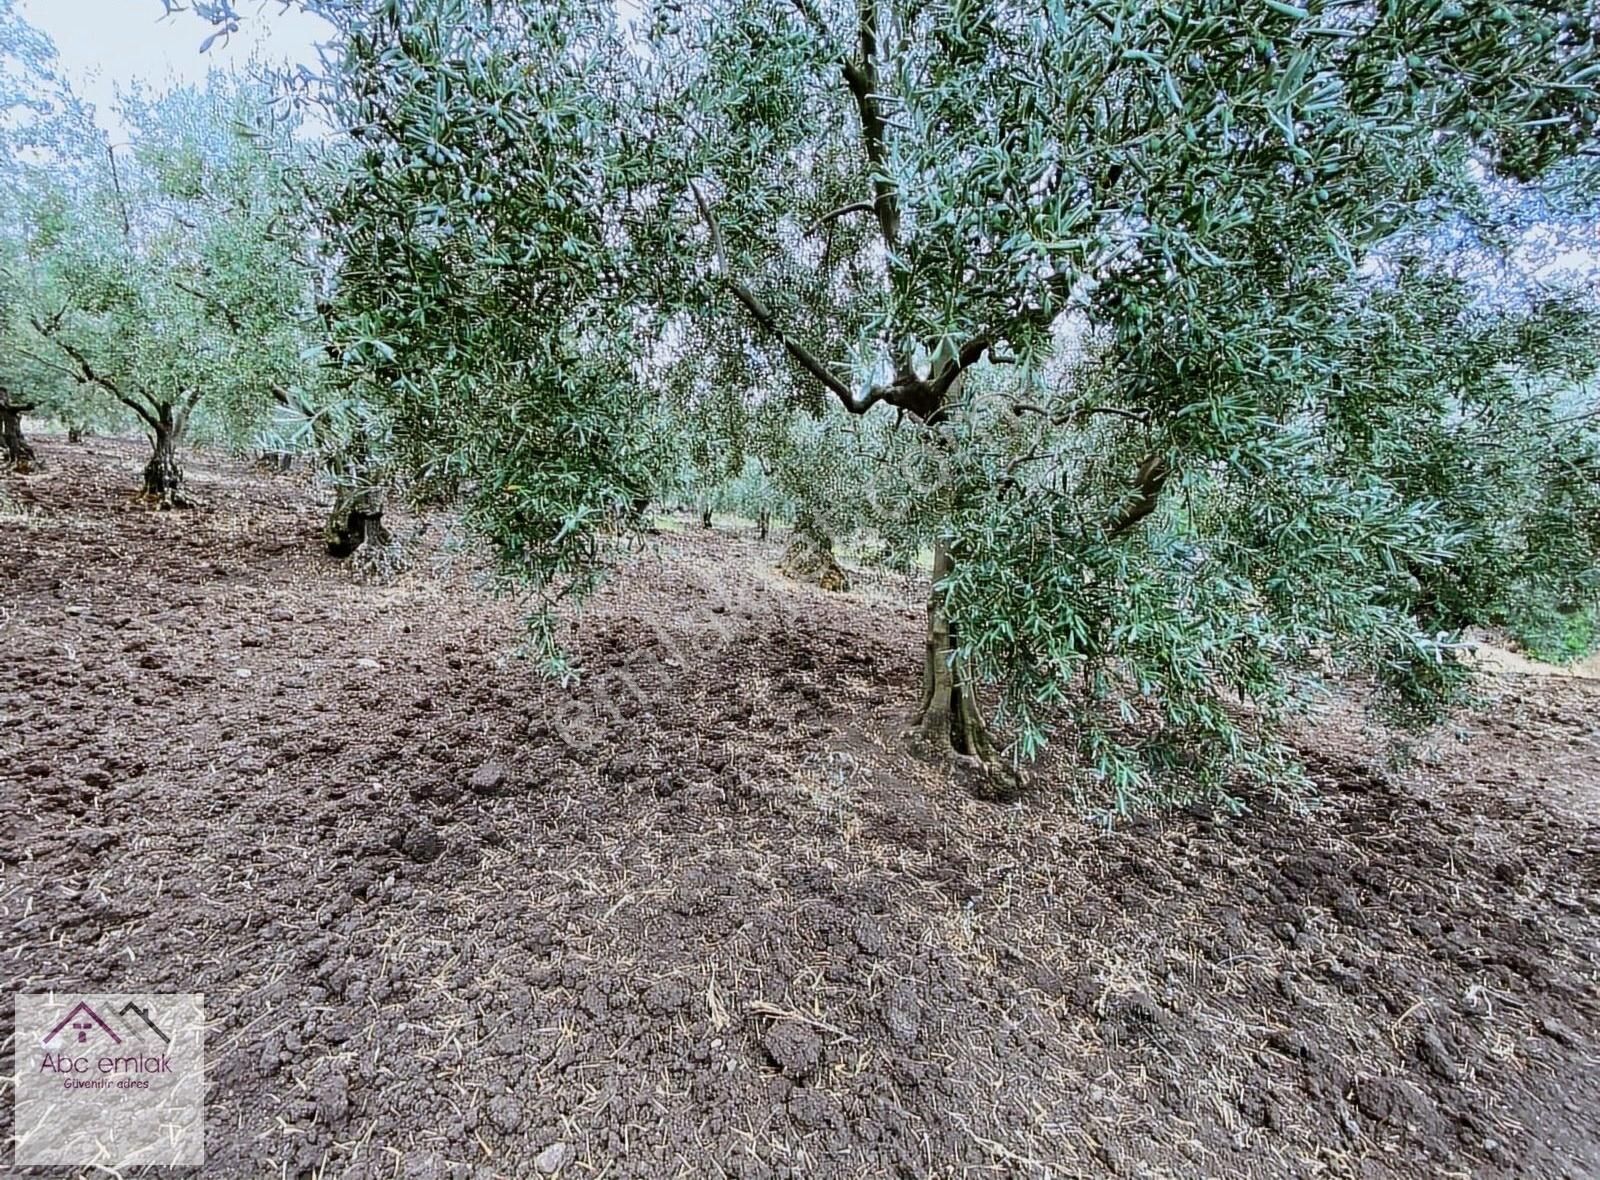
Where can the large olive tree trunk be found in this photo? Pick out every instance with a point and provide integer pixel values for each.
(356, 520)
(809, 557)
(18, 452)
(948, 720)
(163, 477)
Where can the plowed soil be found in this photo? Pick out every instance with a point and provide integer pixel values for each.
(702, 915)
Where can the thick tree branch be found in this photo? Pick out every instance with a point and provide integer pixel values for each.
(1149, 481)
(87, 375)
(763, 315)
(189, 403)
(861, 76)
(924, 398)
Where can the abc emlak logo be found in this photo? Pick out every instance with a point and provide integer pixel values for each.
(103, 1072)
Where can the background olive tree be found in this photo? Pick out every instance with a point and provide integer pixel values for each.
(166, 276)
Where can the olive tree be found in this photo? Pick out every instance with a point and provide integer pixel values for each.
(1113, 270)
(897, 197)
(37, 111)
(167, 273)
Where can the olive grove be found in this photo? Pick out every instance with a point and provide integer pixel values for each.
(1175, 382)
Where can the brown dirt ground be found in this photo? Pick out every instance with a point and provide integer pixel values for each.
(702, 916)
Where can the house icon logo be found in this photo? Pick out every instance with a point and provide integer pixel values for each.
(78, 1025)
(84, 1026)
(145, 1019)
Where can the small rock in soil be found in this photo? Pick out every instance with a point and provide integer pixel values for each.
(486, 780)
(794, 1048)
(421, 843)
(1393, 1102)
(1558, 1032)
(1433, 1054)
(902, 1013)
(549, 1160)
(95, 840)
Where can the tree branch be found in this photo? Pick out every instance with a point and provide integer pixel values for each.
(924, 398)
(214, 303)
(1152, 477)
(1021, 408)
(841, 211)
(86, 374)
(763, 315)
(861, 77)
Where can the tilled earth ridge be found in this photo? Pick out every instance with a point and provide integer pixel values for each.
(701, 915)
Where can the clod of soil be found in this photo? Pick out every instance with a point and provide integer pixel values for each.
(794, 1048)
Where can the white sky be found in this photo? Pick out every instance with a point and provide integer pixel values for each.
(109, 43)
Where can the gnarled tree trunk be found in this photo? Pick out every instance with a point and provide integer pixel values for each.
(18, 452)
(948, 720)
(163, 478)
(809, 557)
(356, 520)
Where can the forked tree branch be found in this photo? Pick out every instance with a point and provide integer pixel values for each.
(923, 397)
(86, 374)
(763, 315)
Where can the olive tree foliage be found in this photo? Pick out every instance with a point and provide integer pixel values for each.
(166, 276)
(1498, 426)
(1161, 218)
(36, 106)
(489, 235)
(1111, 274)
